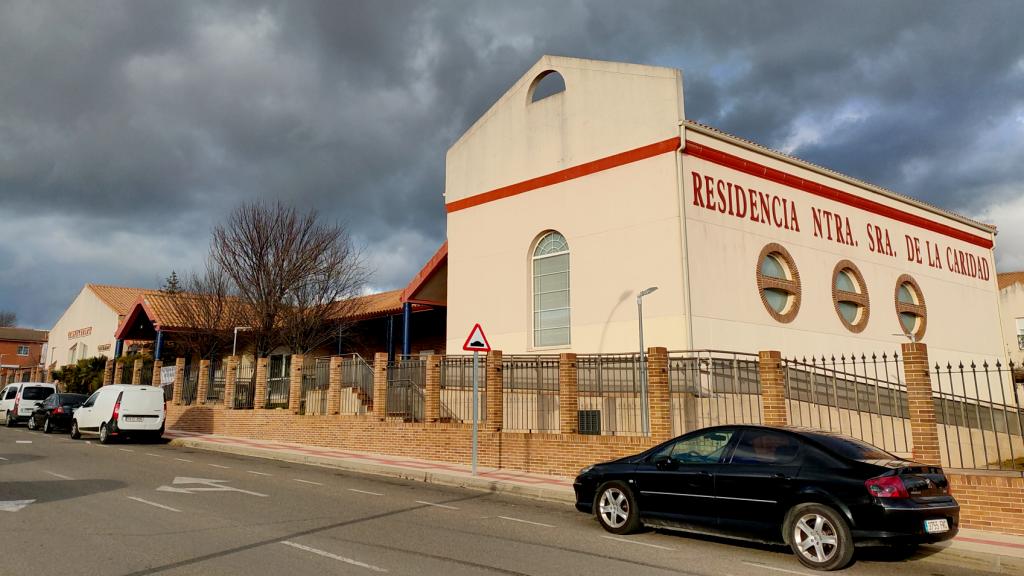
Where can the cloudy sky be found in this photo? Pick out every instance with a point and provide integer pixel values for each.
(127, 128)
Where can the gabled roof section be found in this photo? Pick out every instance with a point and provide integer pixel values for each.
(119, 298)
(23, 335)
(1010, 278)
(430, 285)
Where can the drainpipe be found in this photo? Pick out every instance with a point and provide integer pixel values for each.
(406, 317)
(159, 344)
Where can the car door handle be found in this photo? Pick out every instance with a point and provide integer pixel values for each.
(780, 476)
(704, 473)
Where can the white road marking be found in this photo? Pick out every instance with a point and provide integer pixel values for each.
(4, 459)
(767, 567)
(258, 473)
(126, 450)
(365, 492)
(326, 554)
(14, 505)
(205, 485)
(22, 441)
(153, 504)
(153, 455)
(220, 466)
(307, 481)
(61, 476)
(628, 541)
(437, 505)
(183, 460)
(526, 521)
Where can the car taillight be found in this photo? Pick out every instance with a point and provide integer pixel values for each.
(117, 408)
(58, 410)
(17, 400)
(887, 487)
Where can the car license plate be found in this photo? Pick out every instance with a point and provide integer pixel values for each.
(936, 526)
(138, 419)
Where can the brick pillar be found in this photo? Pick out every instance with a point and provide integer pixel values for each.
(773, 387)
(432, 402)
(137, 372)
(659, 400)
(380, 385)
(48, 376)
(259, 393)
(495, 419)
(203, 387)
(33, 375)
(295, 384)
(230, 379)
(334, 386)
(118, 373)
(924, 430)
(157, 366)
(179, 381)
(568, 394)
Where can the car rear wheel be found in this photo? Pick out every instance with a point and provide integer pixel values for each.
(616, 509)
(104, 434)
(31, 424)
(819, 537)
(75, 432)
(10, 420)
(47, 426)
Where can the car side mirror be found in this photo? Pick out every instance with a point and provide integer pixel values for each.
(664, 463)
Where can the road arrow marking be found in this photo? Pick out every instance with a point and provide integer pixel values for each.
(14, 505)
(205, 485)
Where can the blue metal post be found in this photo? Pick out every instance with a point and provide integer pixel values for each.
(118, 348)
(406, 317)
(391, 338)
(159, 344)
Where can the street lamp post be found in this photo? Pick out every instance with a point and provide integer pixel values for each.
(234, 343)
(644, 407)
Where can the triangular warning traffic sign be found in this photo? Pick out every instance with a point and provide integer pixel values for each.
(476, 342)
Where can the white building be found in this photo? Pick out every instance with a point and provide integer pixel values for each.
(562, 207)
(1011, 303)
(87, 327)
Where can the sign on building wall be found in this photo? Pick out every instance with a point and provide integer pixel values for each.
(80, 333)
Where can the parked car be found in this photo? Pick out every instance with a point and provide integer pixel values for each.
(19, 400)
(818, 492)
(55, 412)
(121, 410)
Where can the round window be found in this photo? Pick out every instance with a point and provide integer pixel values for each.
(910, 307)
(778, 282)
(850, 296)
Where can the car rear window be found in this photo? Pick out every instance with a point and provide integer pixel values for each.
(851, 448)
(36, 393)
(72, 398)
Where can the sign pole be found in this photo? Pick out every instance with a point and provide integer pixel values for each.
(476, 402)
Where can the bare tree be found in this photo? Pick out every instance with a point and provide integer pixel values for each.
(8, 319)
(207, 311)
(292, 273)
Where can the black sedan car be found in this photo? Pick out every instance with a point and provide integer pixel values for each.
(55, 412)
(818, 492)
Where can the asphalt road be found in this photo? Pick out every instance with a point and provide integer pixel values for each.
(139, 509)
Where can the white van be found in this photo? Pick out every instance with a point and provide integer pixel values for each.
(121, 410)
(19, 400)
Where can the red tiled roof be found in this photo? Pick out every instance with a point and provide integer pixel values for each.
(23, 335)
(120, 298)
(1008, 278)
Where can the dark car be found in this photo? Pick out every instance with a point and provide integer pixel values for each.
(55, 412)
(818, 492)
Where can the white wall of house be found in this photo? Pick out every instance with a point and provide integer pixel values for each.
(1011, 304)
(88, 325)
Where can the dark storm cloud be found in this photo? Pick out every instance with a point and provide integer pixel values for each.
(127, 128)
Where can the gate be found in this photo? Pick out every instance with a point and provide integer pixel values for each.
(406, 379)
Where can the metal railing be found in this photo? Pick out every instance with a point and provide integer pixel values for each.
(859, 396)
(215, 388)
(457, 389)
(313, 389)
(530, 393)
(190, 383)
(980, 416)
(126, 373)
(610, 396)
(357, 374)
(406, 379)
(278, 381)
(245, 384)
(146, 374)
(712, 387)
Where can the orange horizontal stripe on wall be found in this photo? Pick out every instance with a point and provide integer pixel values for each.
(592, 167)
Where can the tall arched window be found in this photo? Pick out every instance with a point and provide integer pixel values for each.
(551, 291)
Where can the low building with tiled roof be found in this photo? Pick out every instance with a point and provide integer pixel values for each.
(86, 328)
(20, 348)
(1011, 307)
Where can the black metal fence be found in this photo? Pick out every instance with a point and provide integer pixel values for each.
(611, 396)
(146, 375)
(980, 416)
(457, 389)
(357, 374)
(245, 383)
(313, 389)
(126, 373)
(215, 388)
(712, 387)
(530, 393)
(861, 396)
(278, 381)
(406, 380)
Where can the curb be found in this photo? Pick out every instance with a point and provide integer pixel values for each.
(948, 554)
(440, 478)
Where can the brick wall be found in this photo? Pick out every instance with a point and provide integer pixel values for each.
(989, 501)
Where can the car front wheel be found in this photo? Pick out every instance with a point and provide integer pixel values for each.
(616, 509)
(10, 420)
(47, 426)
(75, 432)
(31, 424)
(819, 537)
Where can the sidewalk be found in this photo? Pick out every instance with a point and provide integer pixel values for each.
(974, 548)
